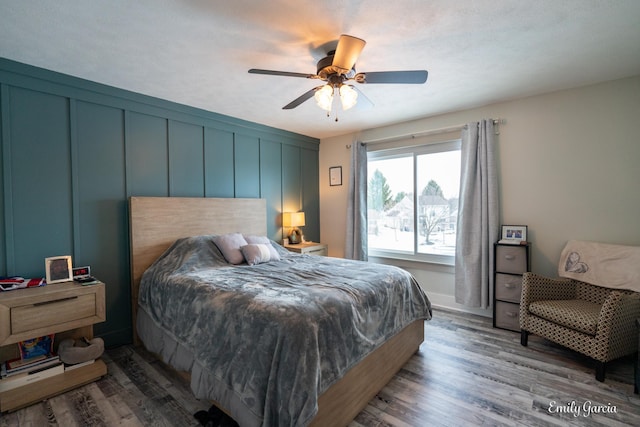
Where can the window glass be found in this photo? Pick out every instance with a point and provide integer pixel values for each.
(413, 202)
(438, 184)
(390, 214)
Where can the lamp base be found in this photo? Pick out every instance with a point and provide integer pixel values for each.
(295, 237)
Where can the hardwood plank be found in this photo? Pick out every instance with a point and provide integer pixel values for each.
(465, 373)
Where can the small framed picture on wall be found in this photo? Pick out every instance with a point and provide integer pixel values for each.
(335, 175)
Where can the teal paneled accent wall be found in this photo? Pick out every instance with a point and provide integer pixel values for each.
(73, 152)
(271, 184)
(291, 180)
(37, 171)
(218, 157)
(147, 154)
(310, 181)
(246, 166)
(186, 160)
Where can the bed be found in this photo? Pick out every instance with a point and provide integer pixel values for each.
(221, 324)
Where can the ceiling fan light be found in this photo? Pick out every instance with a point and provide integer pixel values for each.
(348, 96)
(324, 97)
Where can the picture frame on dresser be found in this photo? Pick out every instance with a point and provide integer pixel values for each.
(513, 234)
(58, 269)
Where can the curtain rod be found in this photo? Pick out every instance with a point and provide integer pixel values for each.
(425, 133)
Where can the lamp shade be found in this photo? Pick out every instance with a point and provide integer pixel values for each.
(293, 219)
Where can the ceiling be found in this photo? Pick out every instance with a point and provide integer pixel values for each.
(197, 52)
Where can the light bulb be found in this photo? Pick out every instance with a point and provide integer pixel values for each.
(324, 97)
(348, 96)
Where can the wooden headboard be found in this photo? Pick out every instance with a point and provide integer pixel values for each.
(156, 222)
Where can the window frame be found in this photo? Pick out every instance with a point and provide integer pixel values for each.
(414, 151)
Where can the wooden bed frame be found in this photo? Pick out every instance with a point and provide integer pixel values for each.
(156, 222)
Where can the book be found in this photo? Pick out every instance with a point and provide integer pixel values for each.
(36, 346)
(78, 365)
(12, 382)
(16, 363)
(28, 367)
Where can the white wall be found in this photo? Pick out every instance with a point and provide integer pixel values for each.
(569, 169)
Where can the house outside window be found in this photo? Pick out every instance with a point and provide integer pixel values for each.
(413, 202)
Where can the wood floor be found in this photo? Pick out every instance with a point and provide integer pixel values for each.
(466, 373)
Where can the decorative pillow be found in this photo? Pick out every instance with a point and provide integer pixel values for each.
(266, 241)
(229, 245)
(256, 253)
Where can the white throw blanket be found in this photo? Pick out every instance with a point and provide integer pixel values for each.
(611, 266)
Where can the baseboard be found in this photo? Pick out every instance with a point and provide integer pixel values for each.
(448, 302)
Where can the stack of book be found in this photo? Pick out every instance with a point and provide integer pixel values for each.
(19, 372)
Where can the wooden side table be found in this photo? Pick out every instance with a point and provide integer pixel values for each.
(67, 309)
(310, 248)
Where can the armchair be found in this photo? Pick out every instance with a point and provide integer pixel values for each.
(593, 320)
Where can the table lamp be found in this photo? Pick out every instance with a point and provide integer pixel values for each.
(293, 220)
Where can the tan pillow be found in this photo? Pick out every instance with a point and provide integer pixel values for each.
(256, 253)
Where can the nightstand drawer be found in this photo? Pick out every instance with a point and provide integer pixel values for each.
(54, 312)
(507, 315)
(309, 248)
(34, 312)
(511, 259)
(508, 287)
(321, 251)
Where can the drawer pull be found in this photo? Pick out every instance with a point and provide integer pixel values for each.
(509, 285)
(510, 313)
(54, 301)
(509, 257)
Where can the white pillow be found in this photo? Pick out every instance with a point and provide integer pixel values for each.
(256, 253)
(229, 245)
(266, 241)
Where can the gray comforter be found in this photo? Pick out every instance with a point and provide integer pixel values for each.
(268, 339)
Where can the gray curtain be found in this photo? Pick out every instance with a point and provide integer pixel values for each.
(478, 216)
(356, 238)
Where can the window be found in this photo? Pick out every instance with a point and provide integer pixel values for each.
(413, 202)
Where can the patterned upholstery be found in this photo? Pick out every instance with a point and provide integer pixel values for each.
(592, 320)
(572, 313)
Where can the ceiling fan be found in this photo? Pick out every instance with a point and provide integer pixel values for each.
(337, 69)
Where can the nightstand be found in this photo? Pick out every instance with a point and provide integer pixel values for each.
(67, 310)
(310, 248)
(511, 262)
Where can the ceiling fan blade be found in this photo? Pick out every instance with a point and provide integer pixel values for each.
(282, 73)
(347, 52)
(407, 77)
(363, 103)
(299, 100)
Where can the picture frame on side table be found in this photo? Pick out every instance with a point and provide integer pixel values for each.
(335, 175)
(513, 234)
(58, 269)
